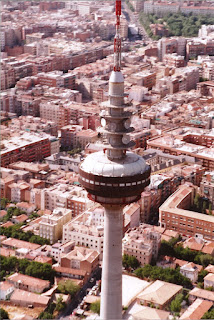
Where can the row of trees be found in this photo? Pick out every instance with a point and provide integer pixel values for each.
(167, 274)
(31, 268)
(129, 5)
(17, 233)
(178, 24)
(145, 21)
(170, 249)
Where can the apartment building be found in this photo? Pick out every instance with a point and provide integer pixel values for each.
(86, 230)
(35, 124)
(142, 242)
(8, 101)
(27, 105)
(174, 60)
(8, 78)
(163, 183)
(193, 142)
(27, 147)
(85, 137)
(174, 214)
(51, 226)
(171, 45)
(160, 7)
(137, 5)
(57, 79)
(147, 79)
(163, 7)
(65, 196)
(207, 187)
(69, 136)
(63, 111)
(59, 249)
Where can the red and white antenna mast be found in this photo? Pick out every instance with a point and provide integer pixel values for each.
(117, 38)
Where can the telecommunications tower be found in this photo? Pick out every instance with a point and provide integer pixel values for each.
(114, 177)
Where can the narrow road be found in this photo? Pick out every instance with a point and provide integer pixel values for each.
(80, 295)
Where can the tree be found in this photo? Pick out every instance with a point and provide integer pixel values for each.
(45, 315)
(210, 208)
(16, 232)
(201, 275)
(175, 305)
(40, 270)
(196, 201)
(3, 314)
(204, 208)
(95, 307)
(209, 314)
(4, 202)
(68, 287)
(167, 274)
(130, 262)
(60, 304)
(23, 264)
(206, 259)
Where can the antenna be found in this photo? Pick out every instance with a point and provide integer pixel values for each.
(117, 38)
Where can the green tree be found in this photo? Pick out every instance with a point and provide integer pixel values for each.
(95, 307)
(4, 202)
(209, 314)
(200, 285)
(3, 314)
(175, 305)
(206, 259)
(15, 232)
(23, 264)
(201, 275)
(68, 287)
(204, 208)
(60, 304)
(130, 262)
(196, 201)
(158, 273)
(45, 315)
(210, 208)
(40, 270)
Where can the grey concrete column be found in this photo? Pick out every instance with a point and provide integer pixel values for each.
(111, 285)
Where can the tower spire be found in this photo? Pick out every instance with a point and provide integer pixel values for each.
(117, 38)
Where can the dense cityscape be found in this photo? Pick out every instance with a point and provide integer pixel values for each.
(107, 160)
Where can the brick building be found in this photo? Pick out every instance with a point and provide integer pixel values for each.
(25, 147)
(174, 214)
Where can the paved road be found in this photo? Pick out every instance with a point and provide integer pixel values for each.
(74, 303)
(134, 19)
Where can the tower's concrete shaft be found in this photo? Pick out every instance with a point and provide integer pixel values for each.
(111, 286)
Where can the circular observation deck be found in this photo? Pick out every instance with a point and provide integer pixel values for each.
(114, 182)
